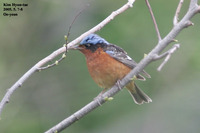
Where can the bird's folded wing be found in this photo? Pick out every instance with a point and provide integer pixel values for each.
(120, 55)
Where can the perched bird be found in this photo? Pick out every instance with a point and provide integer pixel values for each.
(108, 63)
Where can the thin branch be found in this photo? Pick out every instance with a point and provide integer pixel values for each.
(167, 55)
(70, 27)
(54, 64)
(176, 16)
(61, 50)
(66, 39)
(157, 57)
(193, 4)
(141, 65)
(154, 20)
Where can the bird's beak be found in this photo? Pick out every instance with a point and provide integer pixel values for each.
(76, 47)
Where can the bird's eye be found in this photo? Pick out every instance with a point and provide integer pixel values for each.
(87, 45)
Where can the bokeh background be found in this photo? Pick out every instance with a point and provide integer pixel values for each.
(52, 95)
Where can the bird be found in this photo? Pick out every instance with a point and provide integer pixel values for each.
(108, 64)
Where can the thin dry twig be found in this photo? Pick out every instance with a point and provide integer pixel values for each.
(70, 27)
(154, 20)
(67, 41)
(53, 64)
(176, 16)
(167, 55)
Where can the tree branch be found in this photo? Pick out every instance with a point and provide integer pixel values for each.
(154, 20)
(61, 50)
(163, 43)
(176, 16)
(167, 55)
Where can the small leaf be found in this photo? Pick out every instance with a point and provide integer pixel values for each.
(66, 38)
(134, 78)
(175, 40)
(64, 56)
(56, 62)
(108, 98)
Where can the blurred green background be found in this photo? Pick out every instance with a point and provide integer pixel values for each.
(52, 95)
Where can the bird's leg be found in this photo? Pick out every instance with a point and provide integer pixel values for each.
(100, 95)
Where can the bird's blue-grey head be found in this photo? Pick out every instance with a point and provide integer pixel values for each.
(93, 39)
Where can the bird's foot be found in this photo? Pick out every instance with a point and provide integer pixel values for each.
(118, 84)
(97, 98)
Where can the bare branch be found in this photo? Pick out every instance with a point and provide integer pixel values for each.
(70, 27)
(167, 55)
(157, 57)
(176, 16)
(189, 23)
(154, 20)
(66, 38)
(193, 3)
(54, 64)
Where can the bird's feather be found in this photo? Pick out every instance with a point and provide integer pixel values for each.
(120, 55)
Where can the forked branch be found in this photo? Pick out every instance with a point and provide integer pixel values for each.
(176, 16)
(167, 56)
(154, 20)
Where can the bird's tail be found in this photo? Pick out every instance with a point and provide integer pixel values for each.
(137, 94)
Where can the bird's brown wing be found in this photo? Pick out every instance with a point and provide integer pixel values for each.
(120, 55)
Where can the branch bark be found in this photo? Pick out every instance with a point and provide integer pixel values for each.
(167, 55)
(154, 20)
(152, 56)
(176, 16)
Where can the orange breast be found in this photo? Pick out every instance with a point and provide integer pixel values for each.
(104, 69)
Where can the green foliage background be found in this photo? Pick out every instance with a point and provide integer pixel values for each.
(52, 95)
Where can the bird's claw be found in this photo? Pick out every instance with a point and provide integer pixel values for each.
(118, 84)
